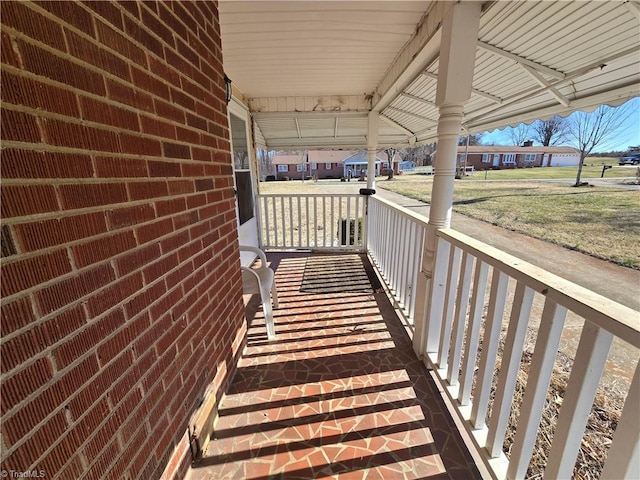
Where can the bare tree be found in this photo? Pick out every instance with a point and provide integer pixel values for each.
(265, 163)
(519, 134)
(588, 130)
(391, 152)
(475, 139)
(552, 131)
(420, 155)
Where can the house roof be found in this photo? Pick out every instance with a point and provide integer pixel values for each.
(361, 157)
(326, 156)
(311, 71)
(289, 159)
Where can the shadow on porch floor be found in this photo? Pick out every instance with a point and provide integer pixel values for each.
(338, 394)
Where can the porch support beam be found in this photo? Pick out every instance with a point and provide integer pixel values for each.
(480, 93)
(544, 83)
(372, 145)
(455, 76)
(395, 124)
(409, 114)
(521, 60)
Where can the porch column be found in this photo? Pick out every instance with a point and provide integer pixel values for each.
(372, 145)
(455, 76)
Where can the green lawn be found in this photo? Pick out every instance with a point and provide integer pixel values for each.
(600, 221)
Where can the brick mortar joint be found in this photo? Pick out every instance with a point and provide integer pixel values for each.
(43, 114)
(73, 274)
(105, 99)
(48, 148)
(61, 214)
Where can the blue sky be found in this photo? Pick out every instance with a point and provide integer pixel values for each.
(627, 135)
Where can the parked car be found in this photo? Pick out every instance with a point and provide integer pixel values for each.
(633, 159)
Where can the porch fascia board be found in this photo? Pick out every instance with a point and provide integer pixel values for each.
(311, 115)
(311, 104)
(612, 98)
(350, 142)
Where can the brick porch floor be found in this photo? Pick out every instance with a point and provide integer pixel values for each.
(338, 394)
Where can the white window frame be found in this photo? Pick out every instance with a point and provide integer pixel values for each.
(530, 157)
(301, 167)
(314, 166)
(509, 158)
(283, 168)
(327, 166)
(487, 157)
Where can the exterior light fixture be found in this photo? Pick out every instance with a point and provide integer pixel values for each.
(227, 88)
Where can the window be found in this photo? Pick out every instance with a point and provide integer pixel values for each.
(241, 170)
(314, 166)
(283, 168)
(530, 157)
(486, 158)
(462, 157)
(301, 167)
(327, 166)
(509, 158)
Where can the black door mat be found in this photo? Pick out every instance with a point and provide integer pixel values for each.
(339, 274)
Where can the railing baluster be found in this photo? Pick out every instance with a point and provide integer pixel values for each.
(460, 318)
(508, 373)
(402, 247)
(266, 239)
(276, 224)
(473, 331)
(544, 355)
(356, 233)
(308, 222)
(332, 225)
(283, 220)
(449, 302)
(315, 221)
(324, 221)
(299, 207)
(623, 459)
(421, 235)
(436, 296)
(393, 252)
(490, 342)
(291, 229)
(406, 259)
(581, 390)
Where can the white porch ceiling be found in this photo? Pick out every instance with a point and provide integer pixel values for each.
(311, 71)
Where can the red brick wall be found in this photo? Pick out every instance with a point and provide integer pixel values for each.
(121, 298)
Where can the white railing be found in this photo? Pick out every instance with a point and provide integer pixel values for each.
(312, 221)
(459, 312)
(395, 242)
(484, 303)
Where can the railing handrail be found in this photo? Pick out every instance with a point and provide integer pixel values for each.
(311, 195)
(604, 312)
(416, 217)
